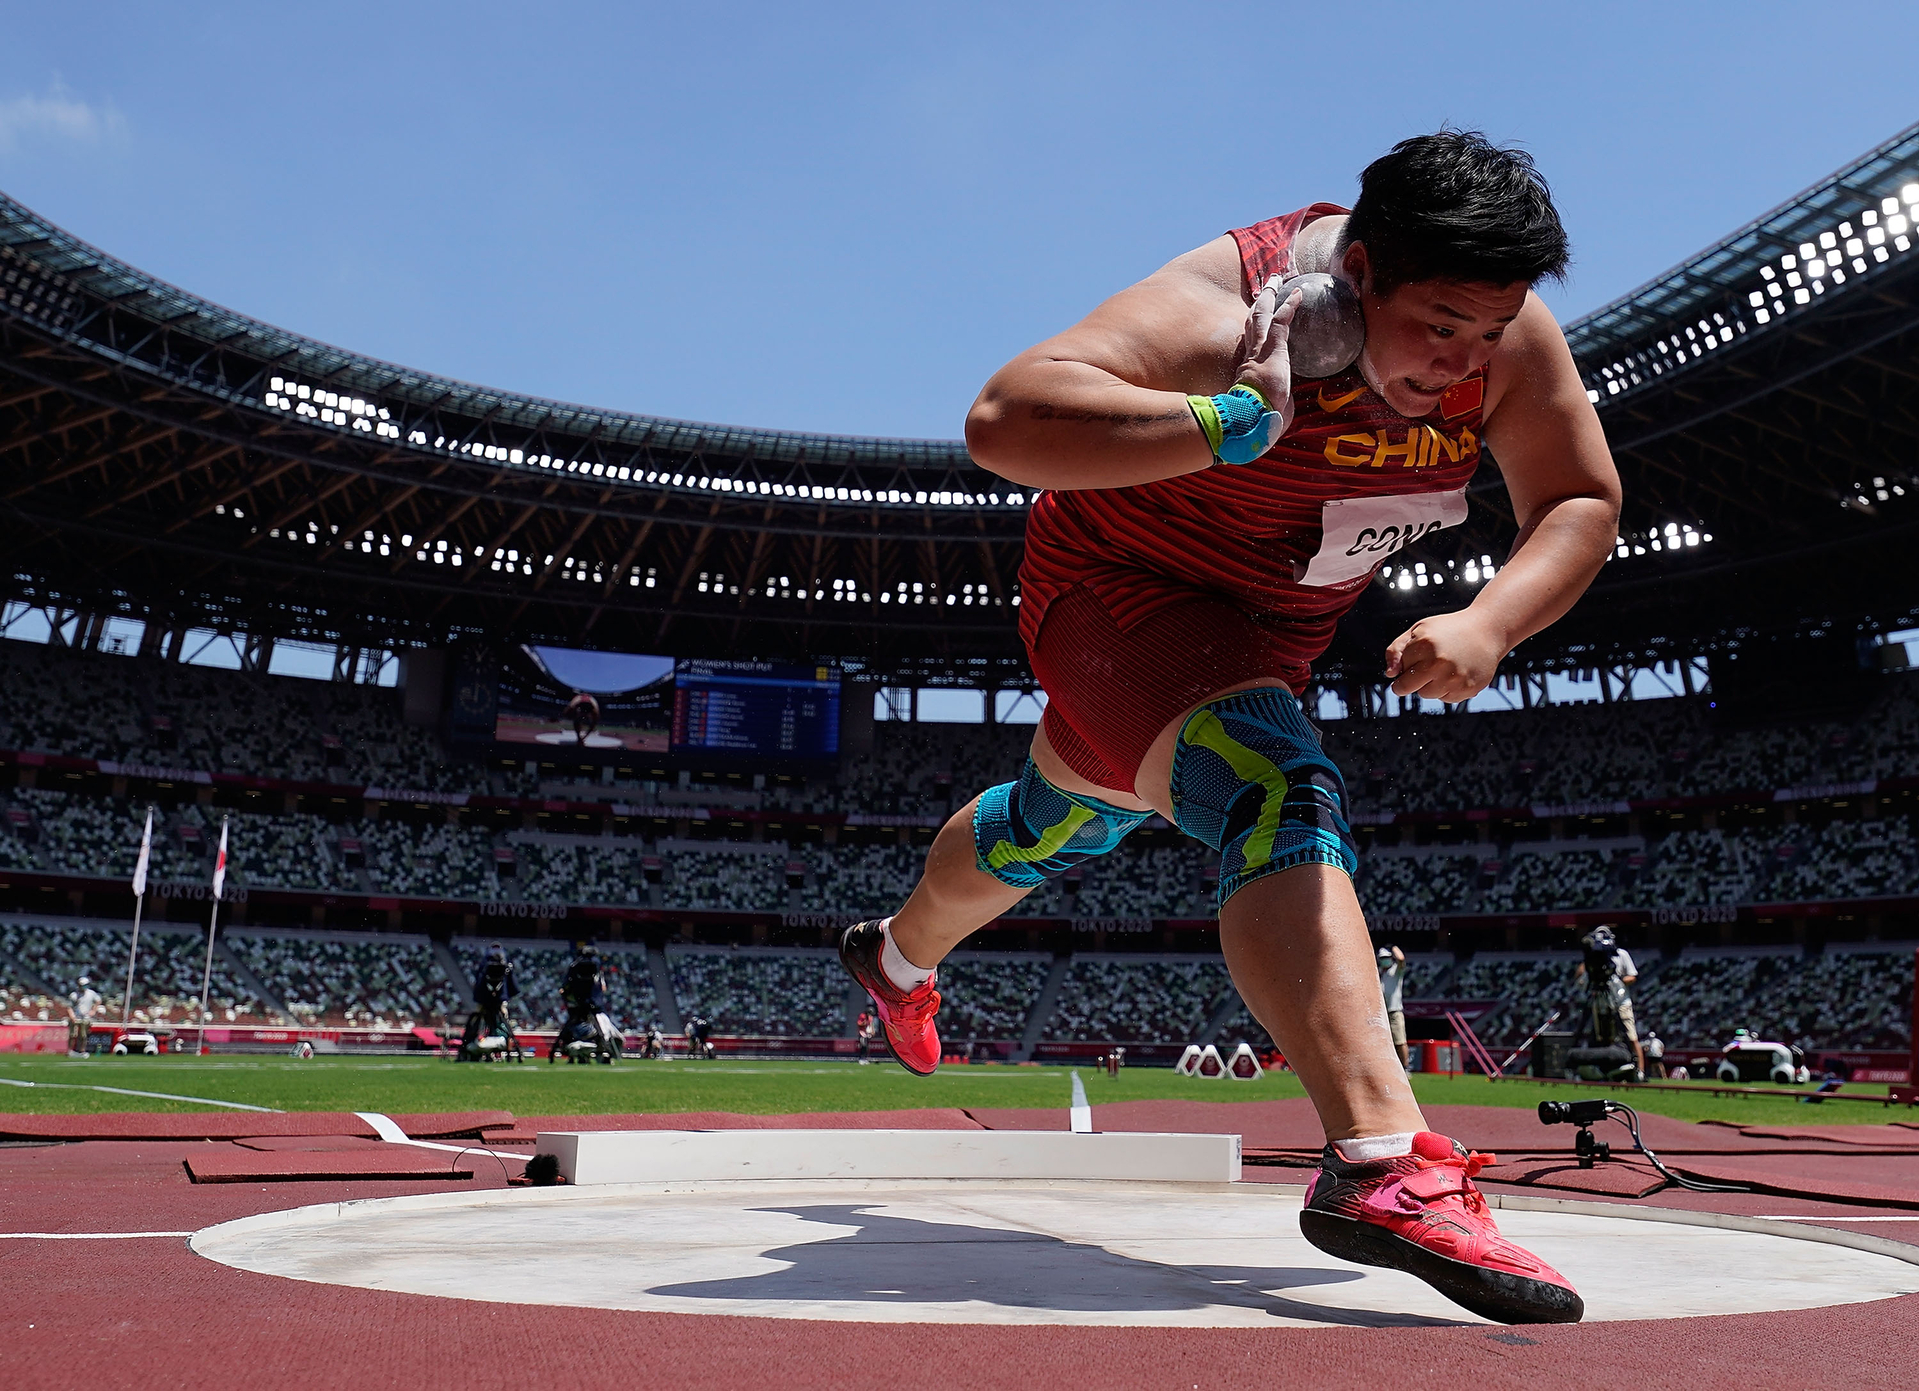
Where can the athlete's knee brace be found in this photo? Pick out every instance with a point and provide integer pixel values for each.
(1029, 831)
(1250, 780)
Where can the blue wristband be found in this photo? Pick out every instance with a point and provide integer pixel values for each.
(1238, 424)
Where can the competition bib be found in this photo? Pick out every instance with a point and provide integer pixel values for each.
(1358, 533)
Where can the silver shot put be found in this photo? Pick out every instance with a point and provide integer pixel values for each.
(1329, 327)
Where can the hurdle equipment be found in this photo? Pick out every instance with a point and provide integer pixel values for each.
(1244, 1066)
(1201, 1062)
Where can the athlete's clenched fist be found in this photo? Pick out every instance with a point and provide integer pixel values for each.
(1450, 656)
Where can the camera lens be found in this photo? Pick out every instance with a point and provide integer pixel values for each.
(1554, 1113)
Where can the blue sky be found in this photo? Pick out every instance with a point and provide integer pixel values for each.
(844, 217)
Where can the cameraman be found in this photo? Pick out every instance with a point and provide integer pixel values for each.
(697, 1045)
(491, 992)
(1392, 988)
(1606, 971)
(584, 994)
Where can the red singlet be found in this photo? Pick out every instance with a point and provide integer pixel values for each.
(1162, 594)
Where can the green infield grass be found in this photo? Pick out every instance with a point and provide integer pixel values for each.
(398, 1085)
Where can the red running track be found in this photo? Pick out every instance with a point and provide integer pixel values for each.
(147, 1312)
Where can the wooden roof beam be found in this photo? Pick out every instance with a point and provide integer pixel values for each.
(380, 507)
(161, 474)
(58, 427)
(240, 489)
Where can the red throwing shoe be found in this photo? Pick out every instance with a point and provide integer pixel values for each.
(1421, 1213)
(906, 1016)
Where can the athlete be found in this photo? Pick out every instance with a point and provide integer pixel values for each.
(1204, 520)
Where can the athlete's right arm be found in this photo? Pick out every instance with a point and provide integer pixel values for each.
(1103, 405)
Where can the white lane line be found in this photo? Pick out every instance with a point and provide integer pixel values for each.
(1079, 1117)
(389, 1130)
(82, 1236)
(158, 1096)
(1813, 1217)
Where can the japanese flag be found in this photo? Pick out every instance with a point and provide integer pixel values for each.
(220, 862)
(146, 853)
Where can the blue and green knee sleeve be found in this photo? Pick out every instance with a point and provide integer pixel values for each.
(1029, 831)
(1250, 780)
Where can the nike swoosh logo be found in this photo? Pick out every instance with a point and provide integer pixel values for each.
(1338, 401)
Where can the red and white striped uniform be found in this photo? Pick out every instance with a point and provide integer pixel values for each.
(1238, 535)
(1237, 532)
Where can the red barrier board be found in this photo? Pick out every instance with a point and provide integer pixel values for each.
(33, 1038)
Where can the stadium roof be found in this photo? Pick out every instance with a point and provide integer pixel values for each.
(1761, 273)
(172, 459)
(106, 288)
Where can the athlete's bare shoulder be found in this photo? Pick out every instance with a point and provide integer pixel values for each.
(1316, 247)
(1532, 368)
(1178, 329)
(1214, 265)
(1540, 427)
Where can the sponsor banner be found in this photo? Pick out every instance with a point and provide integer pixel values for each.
(1469, 1010)
(1814, 791)
(1543, 813)
(524, 910)
(824, 920)
(409, 794)
(1112, 924)
(1694, 914)
(1405, 922)
(1137, 1052)
(663, 813)
(1863, 1066)
(324, 1039)
(33, 1038)
(152, 771)
(196, 893)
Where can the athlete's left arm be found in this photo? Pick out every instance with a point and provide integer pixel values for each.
(1546, 438)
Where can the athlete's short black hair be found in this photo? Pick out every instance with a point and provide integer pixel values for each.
(1455, 206)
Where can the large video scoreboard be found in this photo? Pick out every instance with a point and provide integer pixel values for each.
(756, 708)
(613, 703)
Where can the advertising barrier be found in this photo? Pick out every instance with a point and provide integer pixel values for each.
(33, 1038)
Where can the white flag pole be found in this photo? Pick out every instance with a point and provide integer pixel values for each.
(213, 926)
(139, 902)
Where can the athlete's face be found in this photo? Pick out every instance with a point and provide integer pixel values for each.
(1424, 336)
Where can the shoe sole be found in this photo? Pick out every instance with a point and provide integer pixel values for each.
(1492, 1294)
(860, 980)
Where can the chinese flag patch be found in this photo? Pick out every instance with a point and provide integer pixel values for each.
(1462, 398)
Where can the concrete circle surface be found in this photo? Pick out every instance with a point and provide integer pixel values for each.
(972, 1251)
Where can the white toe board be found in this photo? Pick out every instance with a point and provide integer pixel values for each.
(664, 1156)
